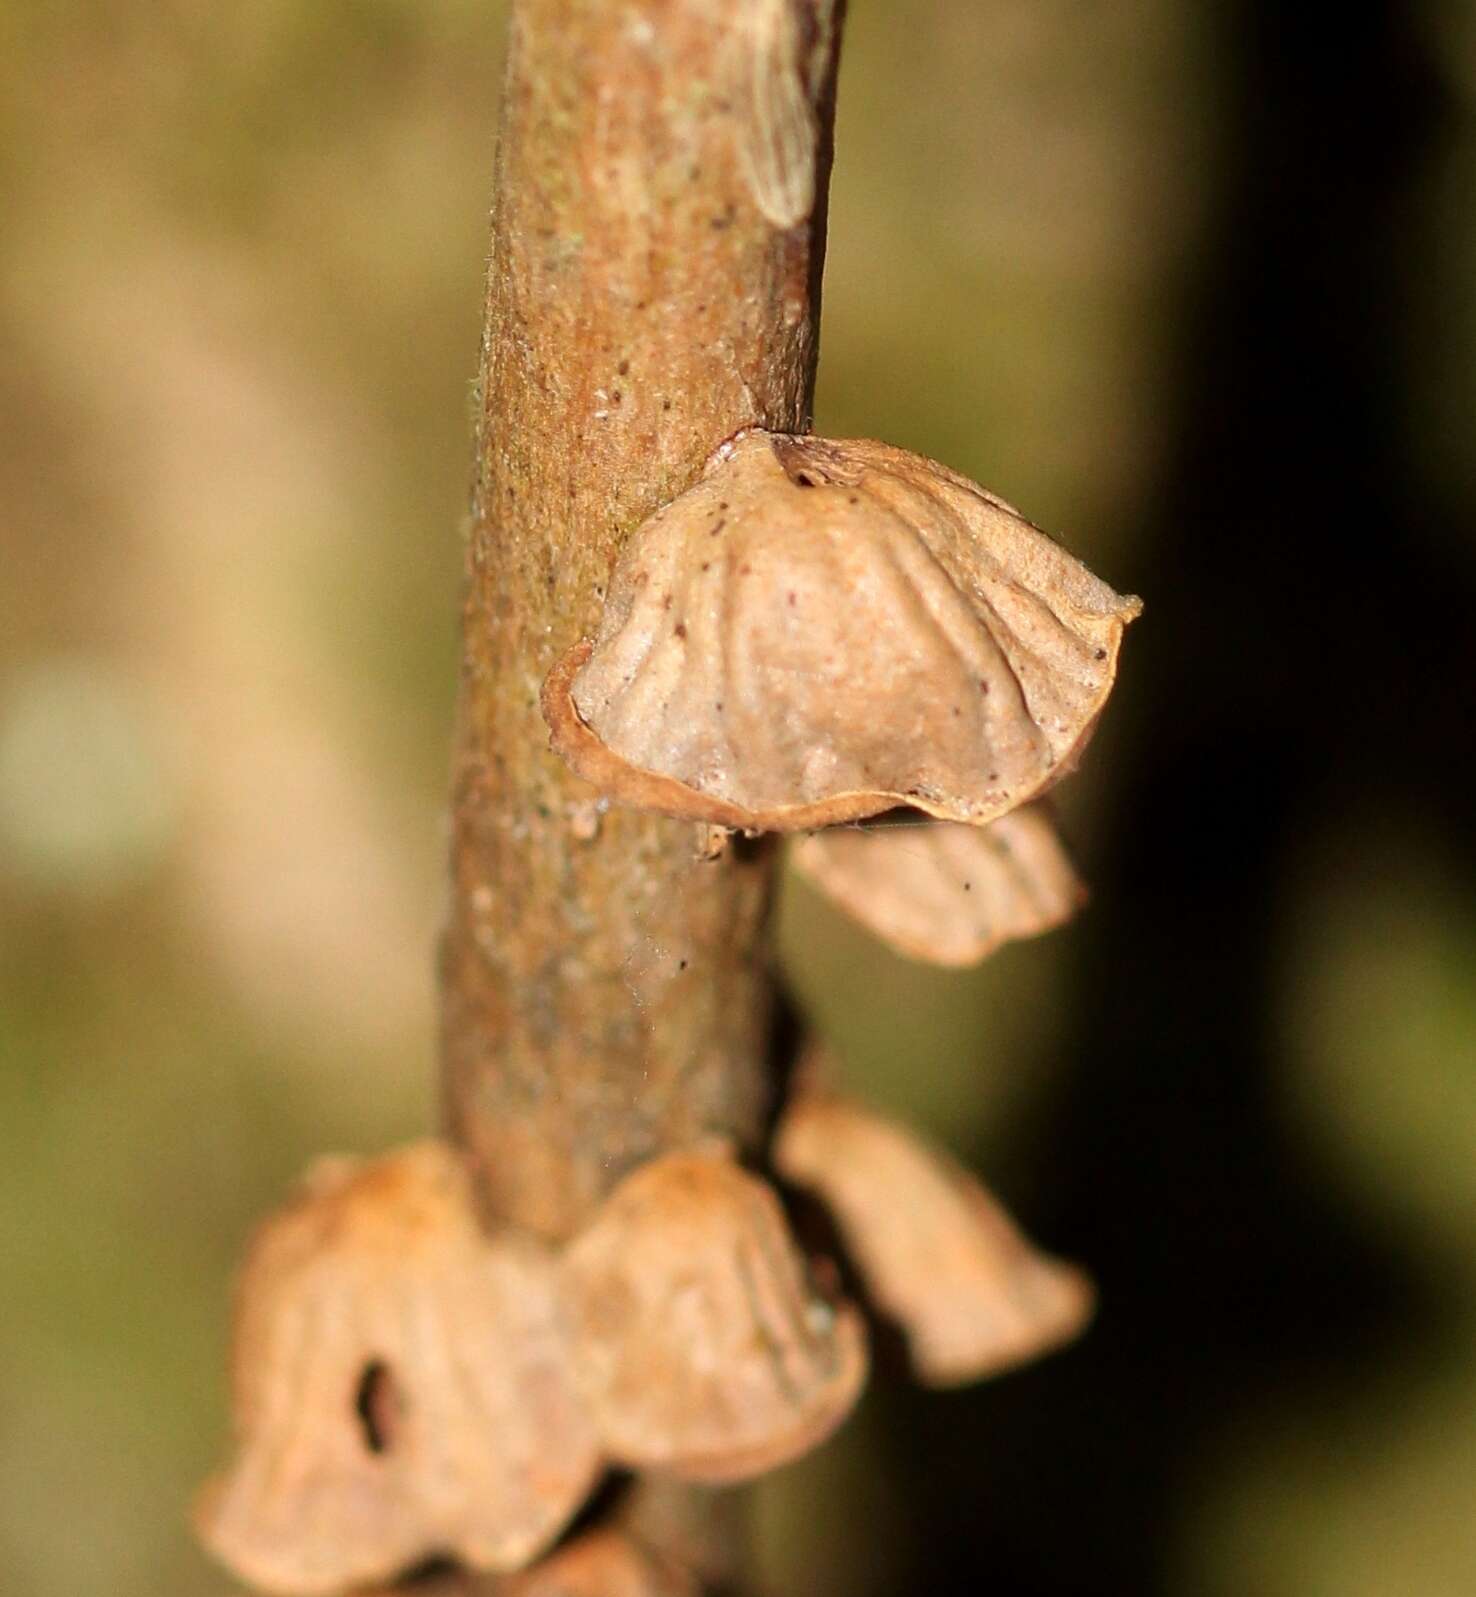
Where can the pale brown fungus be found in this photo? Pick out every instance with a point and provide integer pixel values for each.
(944, 892)
(400, 1386)
(870, 630)
(701, 1346)
(937, 1253)
(603, 1562)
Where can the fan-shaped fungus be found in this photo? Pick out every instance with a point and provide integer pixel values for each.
(400, 1386)
(699, 1343)
(939, 1256)
(818, 631)
(944, 892)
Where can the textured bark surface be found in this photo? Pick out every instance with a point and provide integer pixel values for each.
(650, 292)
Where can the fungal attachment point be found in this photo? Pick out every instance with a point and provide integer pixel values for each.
(400, 1386)
(819, 631)
(937, 1253)
(700, 1344)
(941, 891)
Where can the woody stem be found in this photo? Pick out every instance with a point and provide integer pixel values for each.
(604, 995)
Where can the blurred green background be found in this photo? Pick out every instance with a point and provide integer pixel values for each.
(1195, 286)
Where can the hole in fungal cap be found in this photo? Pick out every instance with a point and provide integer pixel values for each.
(377, 1405)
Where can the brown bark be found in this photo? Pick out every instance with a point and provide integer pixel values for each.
(653, 288)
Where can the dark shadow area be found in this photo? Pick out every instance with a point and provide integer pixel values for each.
(1304, 651)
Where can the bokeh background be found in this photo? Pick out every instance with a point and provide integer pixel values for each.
(1195, 285)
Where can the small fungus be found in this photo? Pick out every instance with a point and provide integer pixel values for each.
(400, 1386)
(603, 1562)
(944, 892)
(937, 1253)
(700, 1343)
(940, 651)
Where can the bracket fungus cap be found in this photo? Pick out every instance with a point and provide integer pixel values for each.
(938, 1254)
(944, 892)
(400, 1386)
(817, 631)
(700, 1344)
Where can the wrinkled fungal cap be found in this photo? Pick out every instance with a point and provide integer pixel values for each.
(601, 1563)
(938, 1255)
(400, 1386)
(700, 1345)
(944, 892)
(819, 631)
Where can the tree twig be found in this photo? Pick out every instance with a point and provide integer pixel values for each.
(656, 251)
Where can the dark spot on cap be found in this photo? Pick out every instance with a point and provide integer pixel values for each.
(623, 367)
(717, 526)
(1101, 654)
(377, 1407)
(681, 629)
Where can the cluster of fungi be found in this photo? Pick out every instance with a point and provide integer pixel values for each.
(816, 637)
